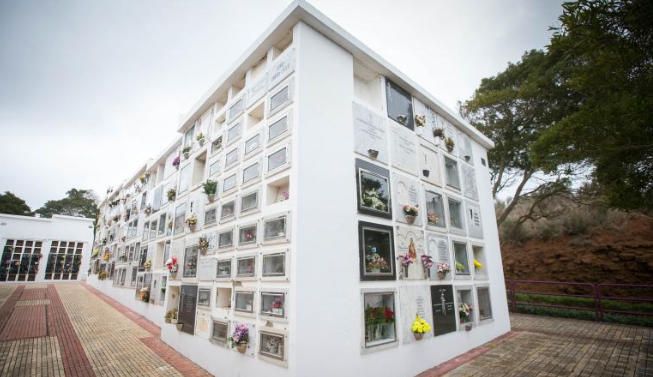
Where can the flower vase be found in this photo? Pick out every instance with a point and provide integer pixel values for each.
(418, 335)
(201, 141)
(369, 334)
(378, 332)
(427, 273)
(410, 219)
(186, 155)
(192, 227)
(211, 198)
(405, 271)
(375, 270)
(180, 326)
(173, 321)
(442, 275)
(241, 347)
(373, 153)
(468, 327)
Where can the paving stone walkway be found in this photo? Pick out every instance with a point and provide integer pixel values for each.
(73, 330)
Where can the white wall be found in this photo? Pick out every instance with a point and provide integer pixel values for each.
(57, 228)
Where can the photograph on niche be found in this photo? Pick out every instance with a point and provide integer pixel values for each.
(376, 251)
(272, 345)
(373, 184)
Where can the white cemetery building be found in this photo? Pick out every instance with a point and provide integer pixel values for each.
(38, 249)
(343, 188)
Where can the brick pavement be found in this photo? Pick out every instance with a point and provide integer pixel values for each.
(546, 347)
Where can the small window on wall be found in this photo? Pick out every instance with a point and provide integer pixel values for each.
(275, 229)
(456, 214)
(273, 304)
(226, 239)
(204, 297)
(484, 305)
(184, 178)
(376, 252)
(220, 331)
(451, 173)
(247, 235)
(379, 314)
(400, 104)
(244, 302)
(373, 183)
(277, 129)
(246, 267)
(461, 260)
(214, 168)
(280, 98)
(480, 269)
(228, 210)
(231, 159)
(435, 209)
(224, 269)
(272, 345)
(274, 265)
(249, 202)
(180, 213)
(236, 109)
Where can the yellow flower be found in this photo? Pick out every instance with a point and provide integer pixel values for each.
(420, 326)
(478, 264)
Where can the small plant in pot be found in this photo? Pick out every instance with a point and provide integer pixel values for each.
(186, 152)
(465, 312)
(438, 132)
(147, 265)
(200, 139)
(420, 120)
(449, 144)
(373, 153)
(172, 194)
(210, 188)
(410, 213)
(171, 316)
(240, 337)
(203, 245)
(191, 221)
(420, 327)
(426, 172)
(147, 209)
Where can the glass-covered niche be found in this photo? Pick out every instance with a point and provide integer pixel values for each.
(231, 159)
(465, 306)
(273, 304)
(461, 259)
(214, 168)
(247, 235)
(210, 216)
(272, 345)
(251, 172)
(399, 104)
(216, 145)
(223, 269)
(228, 210)
(226, 239)
(484, 304)
(190, 262)
(244, 301)
(376, 251)
(246, 267)
(275, 228)
(435, 209)
(379, 316)
(281, 98)
(249, 202)
(276, 160)
(229, 183)
(480, 269)
(278, 128)
(274, 265)
(204, 297)
(234, 132)
(220, 331)
(252, 144)
(456, 220)
(223, 298)
(373, 184)
(451, 173)
(236, 109)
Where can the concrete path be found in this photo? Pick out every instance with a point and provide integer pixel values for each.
(70, 330)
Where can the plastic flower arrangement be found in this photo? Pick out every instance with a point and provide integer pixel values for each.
(240, 334)
(376, 262)
(191, 220)
(176, 162)
(203, 244)
(171, 264)
(432, 217)
(200, 138)
(147, 265)
(172, 194)
(405, 260)
(443, 267)
(410, 210)
(478, 265)
(460, 267)
(420, 326)
(465, 312)
(427, 261)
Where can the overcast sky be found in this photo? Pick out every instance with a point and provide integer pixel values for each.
(89, 90)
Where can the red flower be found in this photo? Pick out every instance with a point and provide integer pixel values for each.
(389, 314)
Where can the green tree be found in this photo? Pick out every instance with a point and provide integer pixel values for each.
(605, 49)
(13, 205)
(79, 203)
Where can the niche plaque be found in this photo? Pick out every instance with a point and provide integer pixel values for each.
(370, 135)
(187, 308)
(414, 301)
(443, 309)
(410, 242)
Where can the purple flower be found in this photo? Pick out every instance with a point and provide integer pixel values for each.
(176, 162)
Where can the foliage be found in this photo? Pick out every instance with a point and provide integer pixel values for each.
(12, 205)
(78, 203)
(210, 187)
